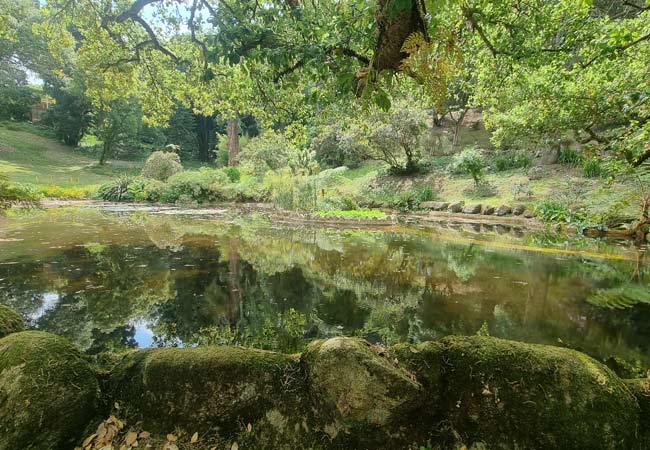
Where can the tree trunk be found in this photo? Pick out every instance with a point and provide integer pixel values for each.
(233, 141)
(204, 128)
(105, 151)
(233, 283)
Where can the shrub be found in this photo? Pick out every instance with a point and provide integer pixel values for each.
(203, 185)
(147, 189)
(162, 165)
(555, 211)
(335, 146)
(16, 194)
(267, 151)
(593, 168)
(509, 161)
(233, 173)
(281, 186)
(570, 157)
(395, 138)
(116, 190)
(469, 162)
(76, 192)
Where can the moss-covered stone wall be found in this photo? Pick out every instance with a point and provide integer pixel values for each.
(342, 393)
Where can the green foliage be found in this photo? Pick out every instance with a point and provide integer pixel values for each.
(570, 157)
(269, 151)
(162, 165)
(72, 192)
(554, 211)
(336, 146)
(303, 160)
(626, 295)
(512, 160)
(469, 162)
(395, 136)
(12, 194)
(353, 214)
(593, 168)
(233, 173)
(116, 190)
(203, 185)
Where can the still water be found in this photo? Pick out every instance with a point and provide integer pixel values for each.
(115, 278)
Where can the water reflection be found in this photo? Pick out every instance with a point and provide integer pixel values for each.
(110, 281)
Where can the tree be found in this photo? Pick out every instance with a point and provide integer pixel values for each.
(116, 124)
(564, 68)
(395, 137)
(70, 114)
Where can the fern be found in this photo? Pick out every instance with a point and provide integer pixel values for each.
(431, 63)
(621, 297)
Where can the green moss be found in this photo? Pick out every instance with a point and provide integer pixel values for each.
(48, 392)
(10, 321)
(514, 395)
(204, 389)
(357, 385)
(345, 393)
(640, 388)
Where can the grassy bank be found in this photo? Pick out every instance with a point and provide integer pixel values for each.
(30, 155)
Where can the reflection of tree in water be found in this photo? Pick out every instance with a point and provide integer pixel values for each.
(275, 289)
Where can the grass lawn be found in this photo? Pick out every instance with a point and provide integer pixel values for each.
(28, 155)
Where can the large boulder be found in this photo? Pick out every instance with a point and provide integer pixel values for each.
(456, 207)
(48, 392)
(472, 209)
(357, 386)
(205, 389)
(10, 321)
(518, 210)
(510, 395)
(435, 206)
(503, 210)
(487, 210)
(640, 388)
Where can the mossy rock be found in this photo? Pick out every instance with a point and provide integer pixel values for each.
(48, 392)
(640, 387)
(207, 389)
(511, 395)
(10, 321)
(358, 385)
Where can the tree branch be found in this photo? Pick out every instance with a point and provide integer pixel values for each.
(201, 44)
(621, 48)
(329, 51)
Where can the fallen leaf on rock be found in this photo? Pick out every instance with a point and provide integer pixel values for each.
(144, 435)
(131, 437)
(235, 446)
(195, 438)
(88, 440)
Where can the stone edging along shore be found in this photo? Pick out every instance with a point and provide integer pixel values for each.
(342, 393)
(432, 212)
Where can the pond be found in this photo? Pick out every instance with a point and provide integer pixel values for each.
(110, 278)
